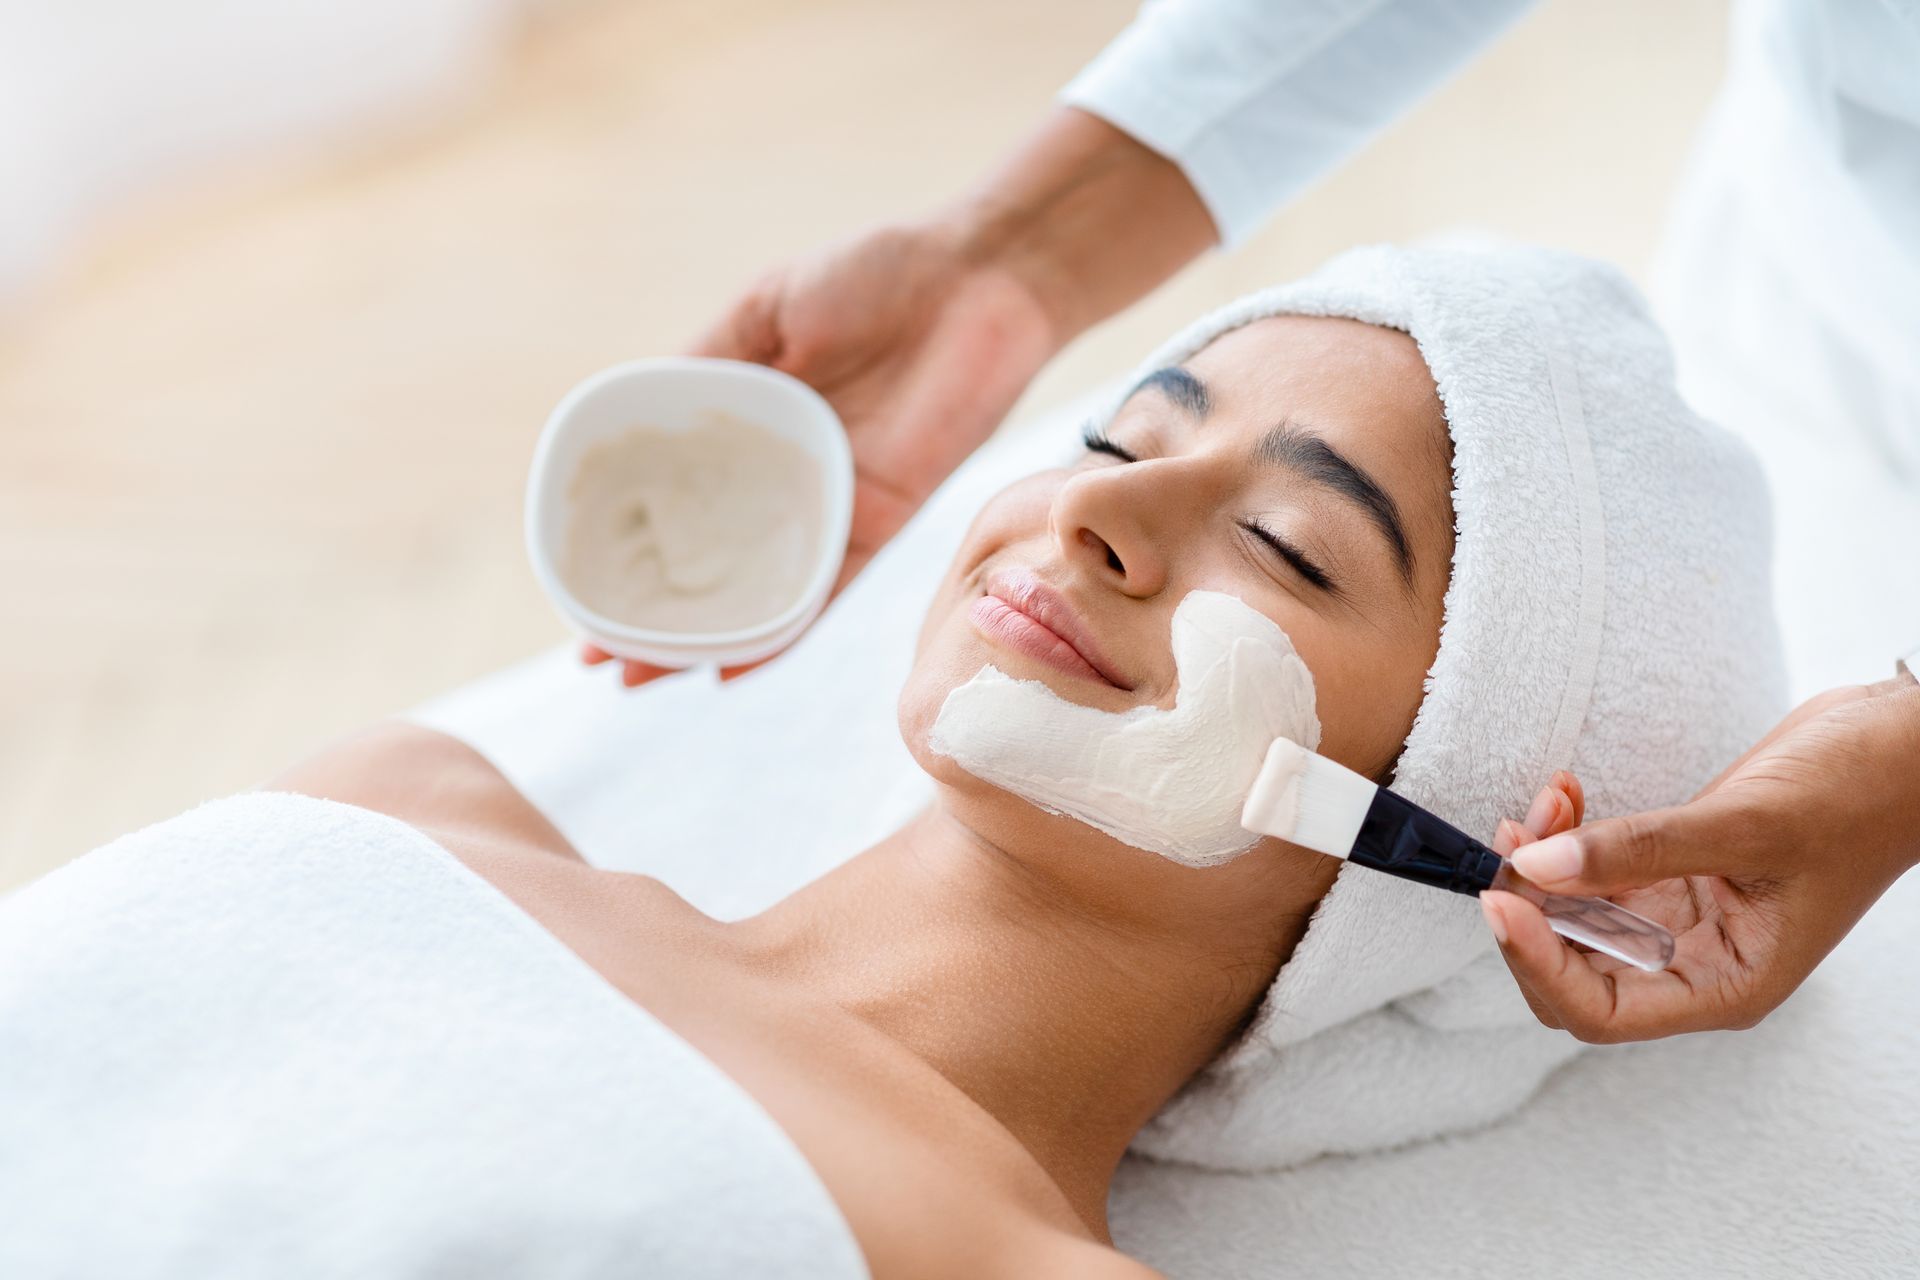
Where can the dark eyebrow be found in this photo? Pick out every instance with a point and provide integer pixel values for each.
(1314, 460)
(1176, 384)
(1300, 451)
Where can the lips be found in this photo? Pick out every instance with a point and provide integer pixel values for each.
(1027, 615)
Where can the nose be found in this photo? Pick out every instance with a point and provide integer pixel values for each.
(1104, 523)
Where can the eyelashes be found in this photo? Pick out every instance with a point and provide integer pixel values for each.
(1098, 441)
(1291, 554)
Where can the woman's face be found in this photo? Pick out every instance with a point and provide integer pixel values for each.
(1301, 464)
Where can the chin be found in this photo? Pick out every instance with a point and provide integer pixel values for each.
(946, 655)
(921, 697)
(949, 657)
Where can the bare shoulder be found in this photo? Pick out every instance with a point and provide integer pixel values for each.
(429, 780)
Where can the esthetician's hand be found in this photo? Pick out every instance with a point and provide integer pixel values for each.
(923, 335)
(920, 350)
(1758, 877)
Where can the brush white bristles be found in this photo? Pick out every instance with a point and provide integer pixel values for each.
(1308, 800)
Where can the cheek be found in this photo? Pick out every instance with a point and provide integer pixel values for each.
(1018, 513)
(950, 654)
(1366, 695)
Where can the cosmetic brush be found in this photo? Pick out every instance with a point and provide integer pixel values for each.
(1309, 800)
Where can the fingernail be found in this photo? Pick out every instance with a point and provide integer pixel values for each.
(1495, 922)
(1548, 861)
(1541, 811)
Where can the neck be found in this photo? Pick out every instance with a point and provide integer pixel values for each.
(1069, 1001)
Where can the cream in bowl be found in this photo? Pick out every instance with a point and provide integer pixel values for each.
(687, 511)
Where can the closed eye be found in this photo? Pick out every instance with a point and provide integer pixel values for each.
(1097, 441)
(1306, 568)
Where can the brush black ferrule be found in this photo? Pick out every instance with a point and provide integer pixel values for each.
(1402, 839)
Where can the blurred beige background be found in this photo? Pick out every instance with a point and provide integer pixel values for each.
(263, 432)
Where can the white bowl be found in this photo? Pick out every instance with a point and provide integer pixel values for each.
(677, 394)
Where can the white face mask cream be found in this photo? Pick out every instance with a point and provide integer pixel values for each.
(693, 531)
(1171, 782)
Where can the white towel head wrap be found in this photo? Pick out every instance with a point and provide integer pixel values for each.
(1608, 612)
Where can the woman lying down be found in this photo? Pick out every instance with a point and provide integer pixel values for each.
(383, 1020)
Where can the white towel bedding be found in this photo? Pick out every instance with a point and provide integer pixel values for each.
(1792, 1150)
(278, 1037)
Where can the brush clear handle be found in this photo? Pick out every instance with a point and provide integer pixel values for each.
(1607, 927)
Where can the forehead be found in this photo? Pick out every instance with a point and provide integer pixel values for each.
(1334, 372)
(1363, 387)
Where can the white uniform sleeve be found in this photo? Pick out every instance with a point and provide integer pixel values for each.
(1254, 99)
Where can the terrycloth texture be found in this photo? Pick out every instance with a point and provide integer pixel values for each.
(1609, 612)
(1788, 1151)
(281, 1037)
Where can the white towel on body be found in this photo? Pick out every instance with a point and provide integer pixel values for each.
(282, 1037)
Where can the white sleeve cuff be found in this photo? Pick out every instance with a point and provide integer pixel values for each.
(1255, 99)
